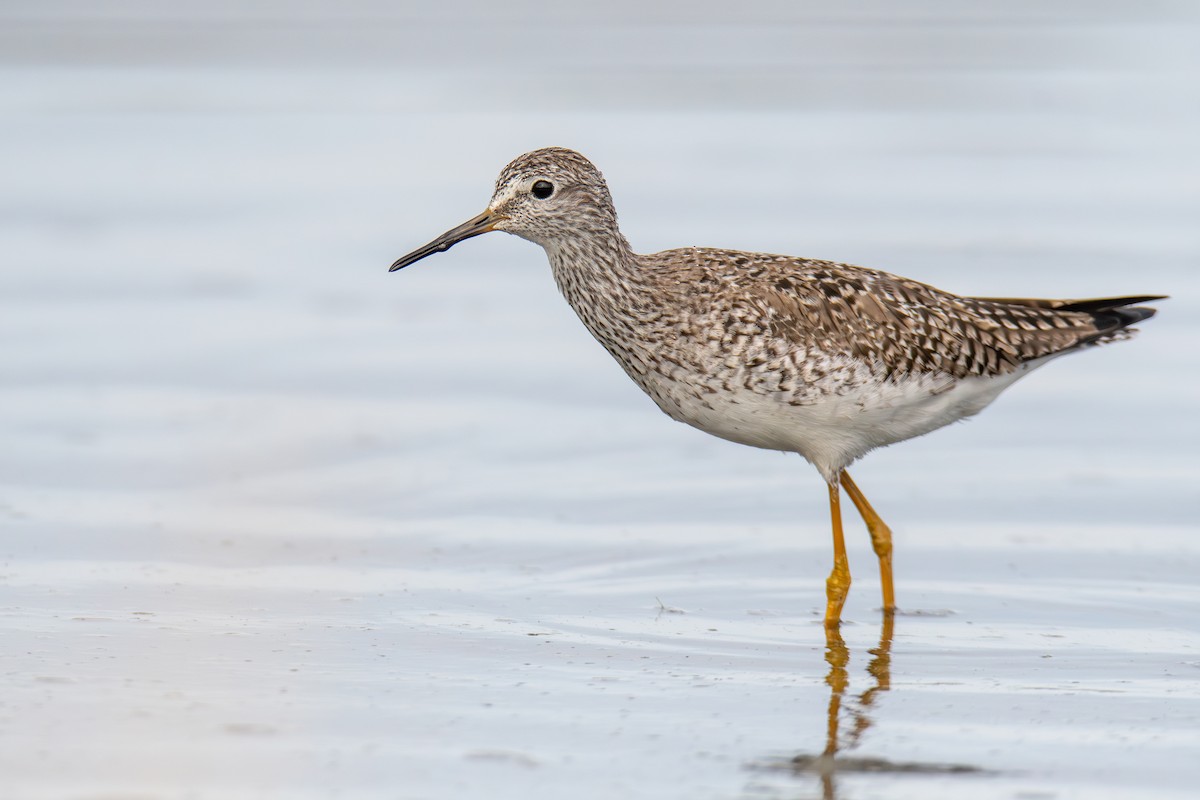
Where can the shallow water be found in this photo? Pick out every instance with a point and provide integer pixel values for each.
(276, 523)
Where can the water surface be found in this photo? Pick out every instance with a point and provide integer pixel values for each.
(276, 523)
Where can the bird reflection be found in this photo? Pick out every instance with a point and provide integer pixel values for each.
(837, 655)
(850, 716)
(855, 709)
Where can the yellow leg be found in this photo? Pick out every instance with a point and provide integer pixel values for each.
(881, 540)
(838, 584)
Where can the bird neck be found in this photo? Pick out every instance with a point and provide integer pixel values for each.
(597, 272)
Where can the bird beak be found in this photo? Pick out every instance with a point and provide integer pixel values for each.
(473, 227)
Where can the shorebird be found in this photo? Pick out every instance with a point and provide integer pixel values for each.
(823, 359)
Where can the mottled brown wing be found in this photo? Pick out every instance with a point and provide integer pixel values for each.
(909, 327)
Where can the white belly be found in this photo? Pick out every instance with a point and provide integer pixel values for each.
(837, 429)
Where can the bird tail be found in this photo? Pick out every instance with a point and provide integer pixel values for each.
(1112, 316)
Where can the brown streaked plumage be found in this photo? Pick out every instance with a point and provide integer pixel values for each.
(823, 359)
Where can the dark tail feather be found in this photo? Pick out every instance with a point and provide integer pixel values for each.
(1094, 304)
(1111, 304)
(1112, 314)
(1128, 316)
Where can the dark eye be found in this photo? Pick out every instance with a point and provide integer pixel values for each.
(542, 189)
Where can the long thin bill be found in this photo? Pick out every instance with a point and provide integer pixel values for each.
(473, 227)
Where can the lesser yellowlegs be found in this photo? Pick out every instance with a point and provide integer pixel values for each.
(814, 357)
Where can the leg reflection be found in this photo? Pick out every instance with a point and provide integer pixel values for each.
(837, 656)
(856, 713)
(880, 669)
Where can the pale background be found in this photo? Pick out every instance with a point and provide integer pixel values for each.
(274, 523)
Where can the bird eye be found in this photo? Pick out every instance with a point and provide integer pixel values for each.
(543, 189)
